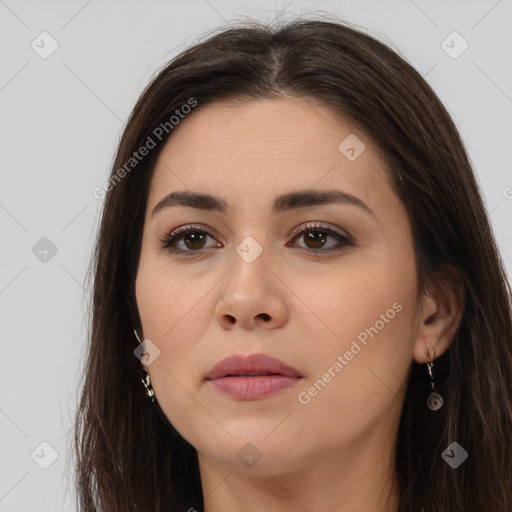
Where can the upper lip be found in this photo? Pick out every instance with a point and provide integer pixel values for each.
(238, 364)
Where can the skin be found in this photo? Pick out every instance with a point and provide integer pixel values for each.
(335, 452)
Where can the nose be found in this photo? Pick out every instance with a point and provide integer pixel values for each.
(252, 295)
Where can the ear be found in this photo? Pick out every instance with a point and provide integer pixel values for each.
(440, 311)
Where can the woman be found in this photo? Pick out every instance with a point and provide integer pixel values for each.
(298, 301)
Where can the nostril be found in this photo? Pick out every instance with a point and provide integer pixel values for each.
(265, 316)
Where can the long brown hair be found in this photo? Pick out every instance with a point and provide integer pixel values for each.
(128, 455)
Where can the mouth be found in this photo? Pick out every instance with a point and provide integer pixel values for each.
(252, 377)
(258, 374)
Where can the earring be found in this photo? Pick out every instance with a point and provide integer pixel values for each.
(435, 400)
(145, 377)
(146, 380)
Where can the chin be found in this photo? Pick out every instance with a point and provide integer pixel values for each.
(257, 454)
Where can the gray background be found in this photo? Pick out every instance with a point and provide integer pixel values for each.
(61, 119)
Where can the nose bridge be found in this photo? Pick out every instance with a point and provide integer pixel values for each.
(250, 250)
(250, 260)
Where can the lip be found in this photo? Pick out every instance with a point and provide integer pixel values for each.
(235, 376)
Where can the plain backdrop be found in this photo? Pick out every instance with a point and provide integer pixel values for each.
(61, 118)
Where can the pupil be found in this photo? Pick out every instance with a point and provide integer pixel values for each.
(196, 239)
(318, 239)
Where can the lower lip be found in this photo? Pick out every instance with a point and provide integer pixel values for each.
(253, 388)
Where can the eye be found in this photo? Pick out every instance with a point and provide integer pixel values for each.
(315, 237)
(191, 240)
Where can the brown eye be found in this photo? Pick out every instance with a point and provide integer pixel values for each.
(315, 239)
(194, 240)
(186, 240)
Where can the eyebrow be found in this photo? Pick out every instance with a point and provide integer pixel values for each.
(283, 203)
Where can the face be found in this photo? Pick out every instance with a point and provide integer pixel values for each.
(325, 284)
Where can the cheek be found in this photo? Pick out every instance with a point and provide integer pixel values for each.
(175, 309)
(169, 301)
(363, 312)
(355, 296)
(168, 318)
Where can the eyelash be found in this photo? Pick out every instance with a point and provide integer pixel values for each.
(167, 241)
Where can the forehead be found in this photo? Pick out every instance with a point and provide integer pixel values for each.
(262, 148)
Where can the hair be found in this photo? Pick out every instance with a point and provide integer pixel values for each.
(128, 455)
